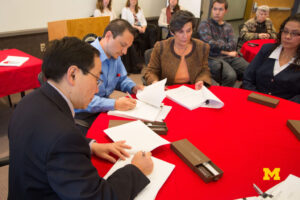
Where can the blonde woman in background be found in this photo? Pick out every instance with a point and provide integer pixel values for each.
(103, 8)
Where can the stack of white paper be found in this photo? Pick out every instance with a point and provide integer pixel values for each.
(141, 138)
(149, 106)
(137, 135)
(192, 99)
(14, 61)
(287, 189)
(161, 171)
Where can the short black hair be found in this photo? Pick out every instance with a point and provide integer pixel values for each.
(61, 54)
(221, 2)
(118, 26)
(180, 18)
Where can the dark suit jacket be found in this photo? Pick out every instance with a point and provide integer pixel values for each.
(259, 77)
(50, 157)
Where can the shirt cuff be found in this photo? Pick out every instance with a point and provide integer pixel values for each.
(90, 144)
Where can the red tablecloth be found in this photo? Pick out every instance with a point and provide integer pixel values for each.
(18, 79)
(241, 138)
(250, 52)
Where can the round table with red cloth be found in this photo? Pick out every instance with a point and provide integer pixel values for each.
(241, 138)
(249, 52)
(19, 79)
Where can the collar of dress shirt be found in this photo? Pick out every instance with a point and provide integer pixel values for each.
(66, 99)
(97, 45)
(276, 53)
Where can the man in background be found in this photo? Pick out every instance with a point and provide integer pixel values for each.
(219, 35)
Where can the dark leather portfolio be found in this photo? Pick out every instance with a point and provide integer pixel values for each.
(196, 160)
(294, 125)
(262, 99)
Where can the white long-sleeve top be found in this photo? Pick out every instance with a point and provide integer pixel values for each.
(106, 12)
(128, 15)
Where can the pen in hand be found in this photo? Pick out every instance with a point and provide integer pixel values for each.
(129, 95)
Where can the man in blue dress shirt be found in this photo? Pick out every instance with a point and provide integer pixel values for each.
(117, 38)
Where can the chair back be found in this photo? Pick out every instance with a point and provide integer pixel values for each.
(89, 38)
(147, 56)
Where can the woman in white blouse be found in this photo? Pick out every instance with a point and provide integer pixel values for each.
(134, 15)
(275, 70)
(147, 34)
(103, 8)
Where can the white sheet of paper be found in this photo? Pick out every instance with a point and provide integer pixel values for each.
(16, 61)
(143, 111)
(192, 99)
(287, 189)
(163, 113)
(137, 135)
(214, 102)
(153, 94)
(251, 198)
(159, 175)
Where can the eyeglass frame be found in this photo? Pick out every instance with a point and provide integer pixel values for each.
(99, 80)
(292, 34)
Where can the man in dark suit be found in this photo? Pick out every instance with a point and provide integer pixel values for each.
(49, 156)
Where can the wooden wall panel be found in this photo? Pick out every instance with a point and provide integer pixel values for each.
(77, 27)
(277, 16)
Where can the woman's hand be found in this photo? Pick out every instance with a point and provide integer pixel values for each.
(198, 85)
(116, 148)
(136, 88)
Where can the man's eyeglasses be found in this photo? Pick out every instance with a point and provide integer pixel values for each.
(292, 34)
(99, 80)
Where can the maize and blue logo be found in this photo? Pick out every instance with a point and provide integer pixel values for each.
(268, 174)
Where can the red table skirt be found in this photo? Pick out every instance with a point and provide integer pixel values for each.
(250, 52)
(18, 79)
(241, 138)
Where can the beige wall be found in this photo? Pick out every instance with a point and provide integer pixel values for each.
(19, 15)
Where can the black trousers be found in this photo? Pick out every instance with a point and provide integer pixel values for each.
(134, 59)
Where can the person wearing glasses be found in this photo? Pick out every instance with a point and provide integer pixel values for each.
(49, 156)
(117, 38)
(260, 27)
(276, 68)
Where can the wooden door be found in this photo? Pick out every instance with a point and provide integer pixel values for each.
(279, 10)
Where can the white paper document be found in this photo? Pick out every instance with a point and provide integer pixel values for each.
(15, 61)
(153, 94)
(159, 175)
(149, 105)
(143, 111)
(192, 99)
(287, 189)
(137, 135)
